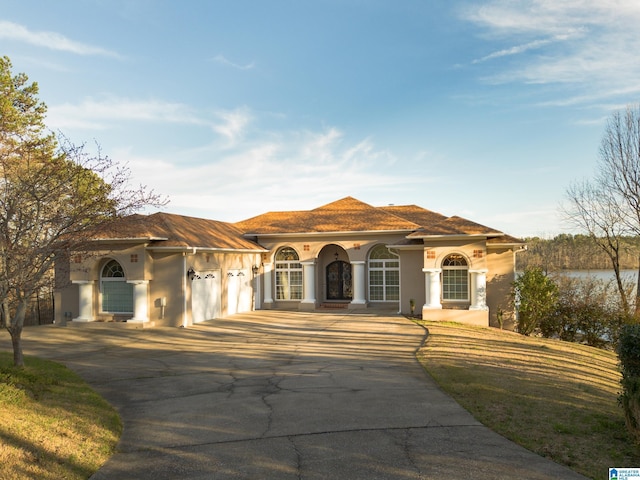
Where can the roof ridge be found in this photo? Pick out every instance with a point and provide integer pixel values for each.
(399, 216)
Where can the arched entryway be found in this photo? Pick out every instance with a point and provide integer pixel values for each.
(337, 275)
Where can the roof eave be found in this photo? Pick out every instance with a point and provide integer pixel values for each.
(346, 232)
(522, 245)
(458, 236)
(129, 239)
(406, 247)
(180, 249)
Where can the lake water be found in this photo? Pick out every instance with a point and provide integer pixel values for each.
(627, 275)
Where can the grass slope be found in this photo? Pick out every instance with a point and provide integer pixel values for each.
(555, 398)
(52, 425)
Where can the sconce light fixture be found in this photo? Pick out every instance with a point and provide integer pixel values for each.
(255, 269)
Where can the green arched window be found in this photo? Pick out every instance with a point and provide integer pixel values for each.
(117, 294)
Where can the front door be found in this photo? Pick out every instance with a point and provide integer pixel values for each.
(339, 281)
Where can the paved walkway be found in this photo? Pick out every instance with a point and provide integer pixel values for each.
(281, 395)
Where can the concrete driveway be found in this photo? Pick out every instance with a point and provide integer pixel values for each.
(281, 395)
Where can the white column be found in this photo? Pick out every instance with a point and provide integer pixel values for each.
(309, 282)
(268, 289)
(85, 303)
(478, 289)
(432, 288)
(140, 301)
(357, 270)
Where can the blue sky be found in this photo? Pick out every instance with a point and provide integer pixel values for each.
(484, 109)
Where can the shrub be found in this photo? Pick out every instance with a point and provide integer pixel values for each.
(587, 311)
(629, 354)
(560, 323)
(535, 296)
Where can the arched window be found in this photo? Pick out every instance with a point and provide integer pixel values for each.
(384, 275)
(117, 294)
(288, 275)
(455, 278)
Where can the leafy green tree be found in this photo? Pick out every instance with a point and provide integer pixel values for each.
(51, 194)
(535, 296)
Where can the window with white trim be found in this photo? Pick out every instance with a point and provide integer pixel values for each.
(117, 294)
(288, 275)
(384, 275)
(455, 278)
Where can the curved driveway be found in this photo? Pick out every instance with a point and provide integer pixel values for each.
(282, 395)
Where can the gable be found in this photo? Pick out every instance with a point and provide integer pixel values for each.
(345, 215)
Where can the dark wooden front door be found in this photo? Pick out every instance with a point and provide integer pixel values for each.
(339, 281)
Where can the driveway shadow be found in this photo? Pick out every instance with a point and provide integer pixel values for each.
(282, 395)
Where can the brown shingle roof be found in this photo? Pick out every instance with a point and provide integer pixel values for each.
(345, 215)
(456, 226)
(418, 215)
(169, 230)
(350, 214)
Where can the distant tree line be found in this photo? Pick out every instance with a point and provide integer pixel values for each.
(575, 252)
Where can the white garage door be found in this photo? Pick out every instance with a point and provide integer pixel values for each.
(205, 296)
(239, 291)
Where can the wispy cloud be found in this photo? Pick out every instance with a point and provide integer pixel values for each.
(110, 112)
(99, 114)
(589, 45)
(225, 61)
(518, 49)
(50, 40)
(311, 167)
(233, 124)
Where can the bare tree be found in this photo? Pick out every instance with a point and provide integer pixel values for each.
(51, 194)
(609, 206)
(593, 208)
(620, 169)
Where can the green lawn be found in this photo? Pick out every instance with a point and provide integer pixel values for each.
(52, 425)
(555, 398)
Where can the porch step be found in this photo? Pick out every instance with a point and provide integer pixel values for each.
(334, 305)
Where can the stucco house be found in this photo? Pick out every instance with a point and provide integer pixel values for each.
(172, 270)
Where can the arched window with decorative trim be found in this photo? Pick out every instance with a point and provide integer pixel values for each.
(455, 278)
(117, 294)
(288, 275)
(384, 275)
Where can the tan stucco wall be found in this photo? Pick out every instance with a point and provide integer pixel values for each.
(411, 281)
(501, 276)
(171, 282)
(165, 272)
(464, 248)
(321, 249)
(167, 284)
(169, 295)
(469, 317)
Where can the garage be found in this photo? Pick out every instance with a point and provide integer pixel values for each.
(205, 296)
